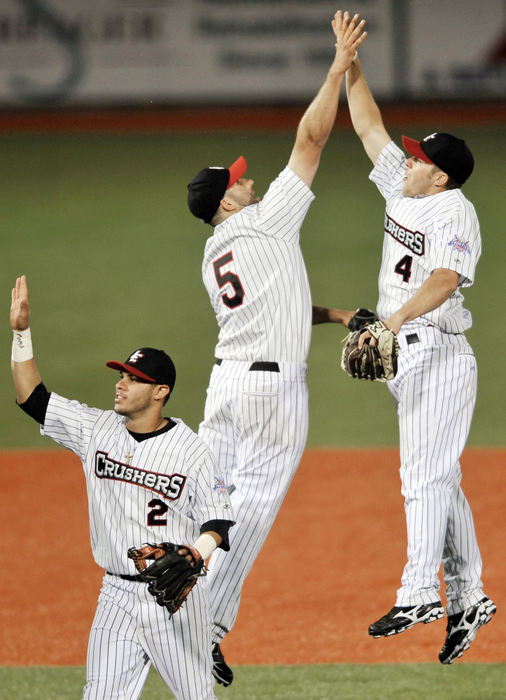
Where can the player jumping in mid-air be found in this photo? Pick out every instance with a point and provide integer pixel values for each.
(256, 413)
(149, 479)
(430, 251)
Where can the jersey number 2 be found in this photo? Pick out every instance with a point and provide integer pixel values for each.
(158, 510)
(403, 267)
(228, 278)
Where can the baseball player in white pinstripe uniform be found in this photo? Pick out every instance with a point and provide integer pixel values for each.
(430, 251)
(149, 479)
(256, 413)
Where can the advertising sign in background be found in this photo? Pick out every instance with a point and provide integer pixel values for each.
(106, 52)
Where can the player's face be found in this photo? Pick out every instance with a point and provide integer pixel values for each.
(242, 192)
(420, 177)
(132, 397)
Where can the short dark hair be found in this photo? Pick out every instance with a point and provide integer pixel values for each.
(451, 184)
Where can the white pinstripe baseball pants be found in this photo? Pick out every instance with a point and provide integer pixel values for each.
(435, 392)
(131, 631)
(256, 425)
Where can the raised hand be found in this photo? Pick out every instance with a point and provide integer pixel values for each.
(20, 306)
(349, 36)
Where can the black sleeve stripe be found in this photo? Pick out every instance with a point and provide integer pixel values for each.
(36, 404)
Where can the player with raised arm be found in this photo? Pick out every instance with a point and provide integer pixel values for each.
(256, 413)
(431, 246)
(149, 478)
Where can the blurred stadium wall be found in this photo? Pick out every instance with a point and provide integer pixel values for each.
(185, 53)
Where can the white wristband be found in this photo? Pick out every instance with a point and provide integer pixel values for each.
(22, 346)
(205, 545)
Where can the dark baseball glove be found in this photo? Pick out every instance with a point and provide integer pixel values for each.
(378, 363)
(361, 318)
(172, 575)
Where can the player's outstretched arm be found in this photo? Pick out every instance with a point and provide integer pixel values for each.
(322, 314)
(364, 112)
(317, 121)
(24, 370)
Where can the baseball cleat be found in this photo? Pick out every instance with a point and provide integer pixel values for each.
(221, 671)
(462, 627)
(401, 619)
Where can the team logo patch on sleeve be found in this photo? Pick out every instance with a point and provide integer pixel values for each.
(167, 485)
(219, 486)
(460, 246)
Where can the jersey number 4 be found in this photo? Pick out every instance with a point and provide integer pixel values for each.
(403, 267)
(224, 278)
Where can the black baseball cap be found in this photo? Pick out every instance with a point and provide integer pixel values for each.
(150, 365)
(449, 153)
(209, 185)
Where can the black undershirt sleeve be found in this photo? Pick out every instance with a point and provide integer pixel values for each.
(36, 404)
(221, 527)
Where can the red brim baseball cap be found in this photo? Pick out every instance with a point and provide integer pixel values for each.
(449, 153)
(150, 365)
(122, 366)
(207, 188)
(413, 147)
(236, 170)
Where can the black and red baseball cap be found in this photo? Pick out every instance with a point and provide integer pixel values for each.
(150, 365)
(207, 188)
(448, 152)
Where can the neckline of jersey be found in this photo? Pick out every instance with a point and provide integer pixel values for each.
(139, 437)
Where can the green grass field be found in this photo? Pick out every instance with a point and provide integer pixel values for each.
(324, 682)
(99, 224)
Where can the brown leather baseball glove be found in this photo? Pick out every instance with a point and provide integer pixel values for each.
(172, 575)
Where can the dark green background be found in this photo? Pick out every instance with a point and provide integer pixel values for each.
(99, 225)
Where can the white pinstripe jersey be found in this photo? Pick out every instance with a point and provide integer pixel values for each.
(256, 278)
(421, 235)
(158, 490)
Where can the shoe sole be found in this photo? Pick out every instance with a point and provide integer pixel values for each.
(431, 616)
(483, 619)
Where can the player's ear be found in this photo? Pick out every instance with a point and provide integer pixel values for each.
(162, 392)
(228, 204)
(441, 178)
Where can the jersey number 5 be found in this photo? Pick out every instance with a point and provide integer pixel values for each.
(228, 278)
(403, 267)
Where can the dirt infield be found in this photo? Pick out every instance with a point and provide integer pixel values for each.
(330, 566)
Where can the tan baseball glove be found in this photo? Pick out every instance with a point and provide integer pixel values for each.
(378, 363)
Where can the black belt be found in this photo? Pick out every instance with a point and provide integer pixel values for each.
(256, 366)
(126, 577)
(412, 338)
